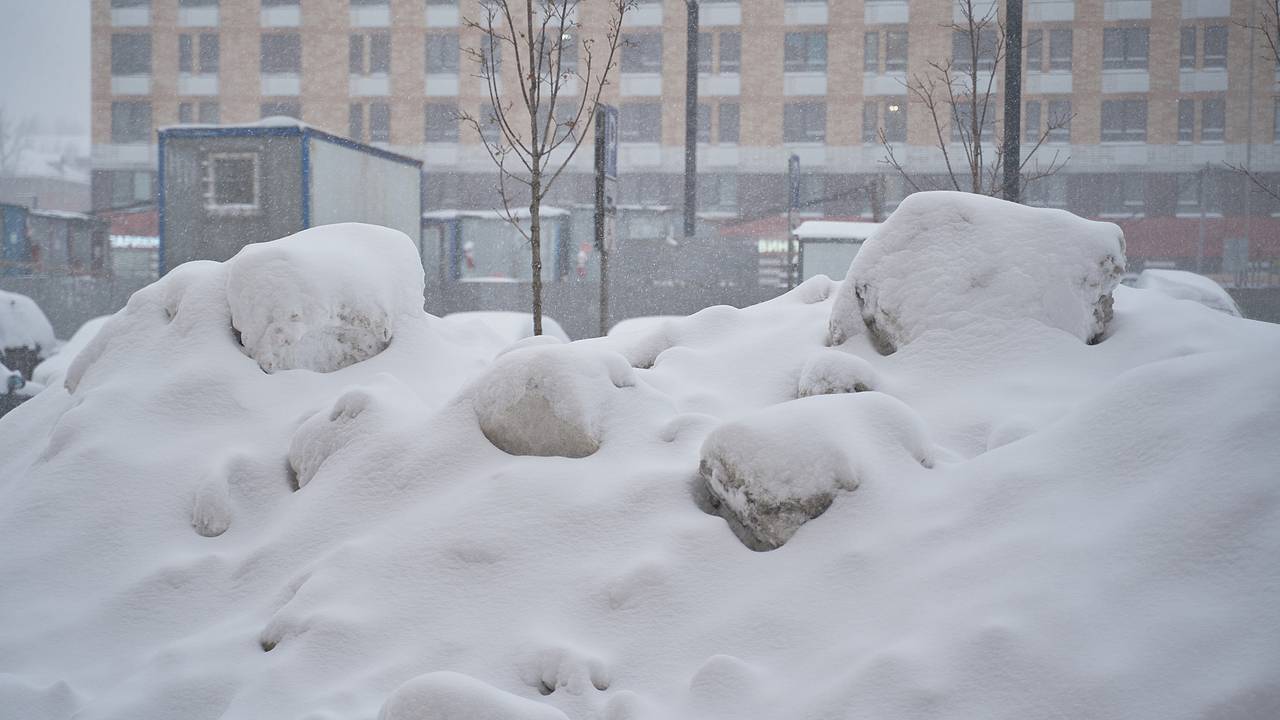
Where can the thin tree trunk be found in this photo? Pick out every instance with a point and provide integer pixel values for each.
(535, 241)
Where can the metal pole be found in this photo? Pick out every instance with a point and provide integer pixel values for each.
(691, 123)
(1013, 100)
(1248, 138)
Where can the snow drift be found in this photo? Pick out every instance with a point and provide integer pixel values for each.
(323, 298)
(1184, 285)
(188, 536)
(945, 260)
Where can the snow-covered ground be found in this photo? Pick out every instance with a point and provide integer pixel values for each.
(1001, 521)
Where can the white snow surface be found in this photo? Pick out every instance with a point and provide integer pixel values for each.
(507, 327)
(1191, 286)
(187, 536)
(323, 298)
(23, 324)
(53, 369)
(946, 259)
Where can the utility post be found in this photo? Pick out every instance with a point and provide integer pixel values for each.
(1013, 101)
(793, 201)
(691, 123)
(606, 180)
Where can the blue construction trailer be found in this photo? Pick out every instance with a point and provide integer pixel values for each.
(223, 187)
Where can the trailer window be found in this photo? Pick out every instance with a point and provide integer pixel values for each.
(231, 181)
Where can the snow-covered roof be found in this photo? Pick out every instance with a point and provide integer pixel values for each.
(520, 213)
(274, 121)
(60, 214)
(832, 230)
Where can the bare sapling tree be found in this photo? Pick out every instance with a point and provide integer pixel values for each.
(533, 132)
(959, 95)
(1264, 21)
(15, 139)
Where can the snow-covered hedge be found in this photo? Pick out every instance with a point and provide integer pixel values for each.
(946, 260)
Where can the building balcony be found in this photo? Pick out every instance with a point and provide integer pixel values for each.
(130, 84)
(713, 14)
(719, 84)
(1212, 80)
(202, 84)
(441, 84)
(889, 83)
(370, 16)
(376, 85)
(1125, 81)
(886, 12)
(804, 83)
(1127, 10)
(280, 16)
(136, 16)
(640, 84)
(646, 15)
(443, 16)
(805, 13)
(281, 84)
(1051, 83)
(1051, 10)
(198, 16)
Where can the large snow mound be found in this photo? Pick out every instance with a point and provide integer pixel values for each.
(323, 298)
(947, 260)
(187, 536)
(24, 325)
(776, 469)
(1191, 286)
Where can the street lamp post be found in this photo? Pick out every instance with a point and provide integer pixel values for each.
(691, 123)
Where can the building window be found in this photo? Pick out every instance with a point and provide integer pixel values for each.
(895, 122)
(1124, 120)
(131, 54)
(717, 192)
(704, 123)
(130, 3)
(870, 122)
(640, 122)
(871, 52)
(378, 58)
(729, 123)
(442, 122)
(1031, 123)
(197, 3)
(1125, 48)
(129, 187)
(705, 52)
(804, 122)
(1186, 121)
(730, 52)
(1275, 122)
(1122, 194)
(231, 182)
(1213, 120)
(805, 52)
(962, 122)
(355, 122)
(1048, 191)
(1199, 192)
(1035, 50)
(962, 50)
(203, 62)
(1187, 49)
(379, 122)
(642, 53)
(130, 122)
(186, 113)
(487, 119)
(895, 51)
(1059, 121)
(208, 113)
(1060, 48)
(281, 53)
(281, 109)
(442, 53)
(1215, 46)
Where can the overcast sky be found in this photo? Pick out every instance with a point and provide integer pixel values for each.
(44, 61)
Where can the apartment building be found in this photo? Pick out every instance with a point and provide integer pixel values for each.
(1146, 99)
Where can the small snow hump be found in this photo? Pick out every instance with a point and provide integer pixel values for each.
(454, 696)
(829, 372)
(323, 298)
(549, 400)
(769, 473)
(946, 260)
